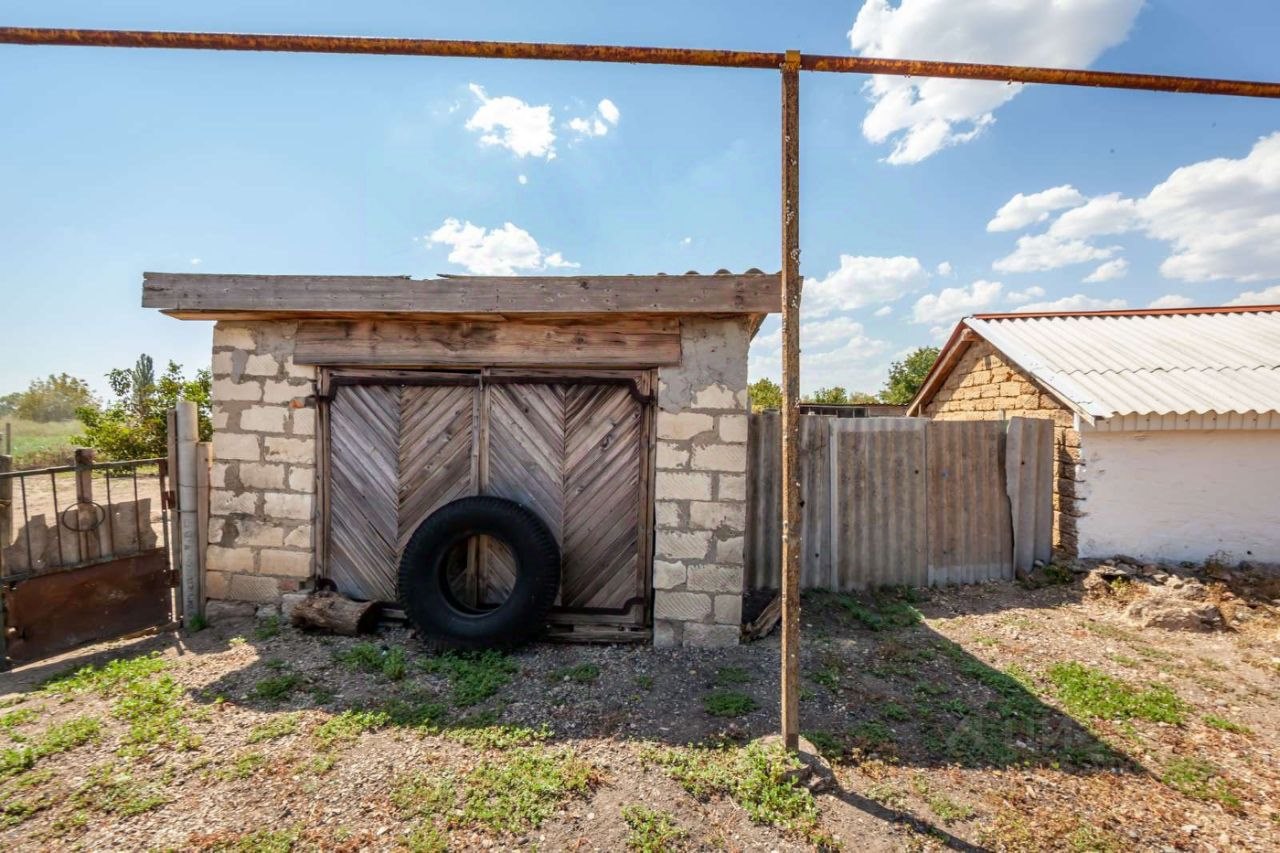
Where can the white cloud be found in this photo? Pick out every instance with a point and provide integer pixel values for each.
(1017, 297)
(597, 124)
(945, 269)
(1105, 214)
(522, 179)
(952, 303)
(195, 262)
(1113, 269)
(836, 351)
(921, 116)
(687, 241)
(494, 251)
(1077, 302)
(1266, 296)
(509, 122)
(884, 312)
(1035, 253)
(1172, 300)
(1023, 210)
(863, 280)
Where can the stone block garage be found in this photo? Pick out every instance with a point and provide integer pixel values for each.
(1167, 422)
(348, 409)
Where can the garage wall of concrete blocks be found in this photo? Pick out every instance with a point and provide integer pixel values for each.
(700, 487)
(263, 481)
(984, 385)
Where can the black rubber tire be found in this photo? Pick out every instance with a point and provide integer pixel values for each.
(424, 586)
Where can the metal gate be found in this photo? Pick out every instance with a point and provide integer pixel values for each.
(84, 555)
(573, 450)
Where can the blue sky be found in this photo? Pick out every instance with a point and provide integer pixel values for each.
(116, 162)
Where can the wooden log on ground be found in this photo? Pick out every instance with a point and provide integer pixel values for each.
(329, 611)
(764, 624)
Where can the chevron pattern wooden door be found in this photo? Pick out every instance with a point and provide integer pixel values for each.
(574, 453)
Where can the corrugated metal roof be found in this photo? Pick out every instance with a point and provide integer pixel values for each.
(1105, 364)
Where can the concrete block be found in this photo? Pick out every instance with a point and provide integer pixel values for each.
(729, 552)
(226, 502)
(668, 575)
(728, 609)
(226, 611)
(731, 487)
(232, 445)
(711, 636)
(299, 537)
(720, 457)
(286, 505)
(672, 455)
(262, 365)
(712, 515)
(666, 635)
(284, 391)
(677, 426)
(228, 390)
(229, 560)
(715, 397)
(257, 588)
(715, 578)
(251, 531)
(261, 475)
(231, 335)
(218, 475)
(681, 606)
(667, 514)
(303, 421)
(219, 417)
(732, 428)
(674, 545)
(215, 584)
(221, 364)
(302, 478)
(281, 449)
(263, 419)
(296, 564)
(680, 485)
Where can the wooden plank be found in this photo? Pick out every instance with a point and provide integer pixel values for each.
(1029, 483)
(815, 515)
(511, 344)
(207, 296)
(970, 534)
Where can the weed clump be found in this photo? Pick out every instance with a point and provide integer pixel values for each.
(474, 676)
(1087, 692)
(651, 831)
(728, 703)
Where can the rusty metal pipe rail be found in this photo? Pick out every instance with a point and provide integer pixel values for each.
(627, 54)
(70, 469)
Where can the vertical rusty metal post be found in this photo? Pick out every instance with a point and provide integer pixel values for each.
(791, 286)
(6, 501)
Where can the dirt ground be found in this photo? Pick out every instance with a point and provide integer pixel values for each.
(988, 717)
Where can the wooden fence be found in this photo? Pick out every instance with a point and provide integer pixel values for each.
(902, 501)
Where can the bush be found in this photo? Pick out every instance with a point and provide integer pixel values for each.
(133, 426)
(56, 398)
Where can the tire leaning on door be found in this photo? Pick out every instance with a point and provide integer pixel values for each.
(431, 605)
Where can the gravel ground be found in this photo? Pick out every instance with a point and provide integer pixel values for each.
(949, 720)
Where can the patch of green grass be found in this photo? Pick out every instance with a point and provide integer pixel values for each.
(481, 732)
(583, 673)
(474, 676)
(413, 712)
(348, 726)
(1227, 725)
(651, 831)
(244, 766)
(197, 623)
(732, 676)
(20, 717)
(828, 745)
(944, 808)
(105, 680)
(277, 688)
(370, 657)
(153, 709)
(267, 629)
(522, 789)
(728, 703)
(426, 838)
(1200, 780)
(275, 728)
(259, 841)
(894, 711)
(644, 682)
(887, 794)
(757, 778)
(871, 733)
(884, 611)
(16, 760)
(64, 736)
(424, 795)
(39, 444)
(1087, 692)
(118, 792)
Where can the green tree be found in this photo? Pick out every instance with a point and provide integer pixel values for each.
(133, 425)
(53, 399)
(837, 396)
(9, 403)
(764, 394)
(906, 376)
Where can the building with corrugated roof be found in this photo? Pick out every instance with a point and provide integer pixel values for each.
(1167, 421)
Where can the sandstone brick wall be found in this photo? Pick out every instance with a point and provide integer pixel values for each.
(984, 385)
(700, 489)
(263, 481)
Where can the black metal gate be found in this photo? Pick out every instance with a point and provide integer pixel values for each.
(84, 555)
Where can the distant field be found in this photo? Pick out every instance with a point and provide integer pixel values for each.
(39, 444)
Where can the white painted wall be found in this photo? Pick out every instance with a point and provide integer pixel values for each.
(1181, 495)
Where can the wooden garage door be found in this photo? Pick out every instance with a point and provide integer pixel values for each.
(573, 452)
